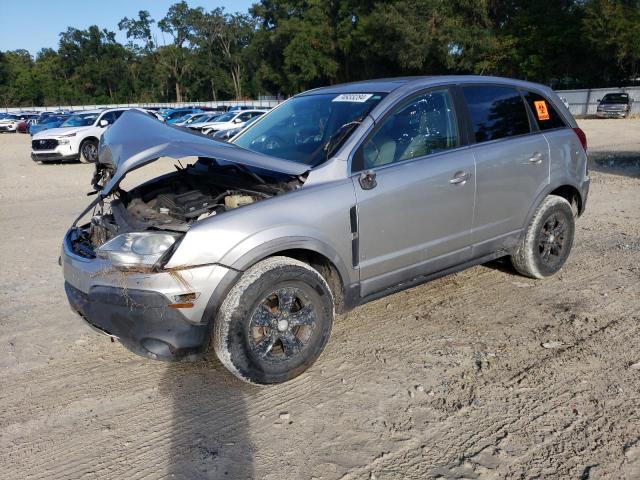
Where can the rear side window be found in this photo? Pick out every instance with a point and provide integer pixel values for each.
(547, 117)
(496, 112)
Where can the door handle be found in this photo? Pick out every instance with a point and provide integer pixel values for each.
(460, 178)
(367, 180)
(536, 158)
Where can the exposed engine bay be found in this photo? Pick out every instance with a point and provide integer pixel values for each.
(173, 202)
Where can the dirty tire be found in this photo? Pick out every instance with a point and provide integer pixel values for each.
(545, 247)
(89, 151)
(275, 322)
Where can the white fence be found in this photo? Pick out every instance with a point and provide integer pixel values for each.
(583, 103)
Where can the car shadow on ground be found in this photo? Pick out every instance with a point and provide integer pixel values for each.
(615, 162)
(210, 431)
(503, 264)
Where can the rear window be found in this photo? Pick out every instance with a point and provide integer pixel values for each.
(496, 112)
(547, 117)
(616, 98)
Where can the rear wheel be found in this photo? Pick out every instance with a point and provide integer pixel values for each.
(275, 322)
(548, 239)
(89, 151)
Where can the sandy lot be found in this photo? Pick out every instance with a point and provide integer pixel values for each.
(448, 380)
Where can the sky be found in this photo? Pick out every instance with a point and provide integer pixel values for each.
(35, 24)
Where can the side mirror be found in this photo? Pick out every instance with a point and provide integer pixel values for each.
(104, 123)
(237, 120)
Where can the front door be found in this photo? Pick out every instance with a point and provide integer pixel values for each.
(414, 187)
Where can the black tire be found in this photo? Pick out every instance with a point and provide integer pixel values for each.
(275, 322)
(548, 239)
(89, 151)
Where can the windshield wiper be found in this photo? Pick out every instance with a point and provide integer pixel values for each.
(337, 138)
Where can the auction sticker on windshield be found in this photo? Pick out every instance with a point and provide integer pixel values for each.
(353, 97)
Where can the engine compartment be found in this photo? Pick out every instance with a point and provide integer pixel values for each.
(176, 200)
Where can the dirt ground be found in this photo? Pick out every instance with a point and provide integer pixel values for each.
(448, 380)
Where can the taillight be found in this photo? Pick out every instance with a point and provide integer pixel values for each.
(582, 137)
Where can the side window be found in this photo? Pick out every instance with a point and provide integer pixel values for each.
(245, 116)
(116, 114)
(544, 112)
(424, 126)
(109, 117)
(496, 112)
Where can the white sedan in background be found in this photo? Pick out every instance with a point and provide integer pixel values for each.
(231, 120)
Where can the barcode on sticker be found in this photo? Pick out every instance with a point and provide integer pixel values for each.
(353, 97)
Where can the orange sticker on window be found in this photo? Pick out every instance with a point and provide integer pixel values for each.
(541, 110)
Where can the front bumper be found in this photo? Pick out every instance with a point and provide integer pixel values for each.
(66, 152)
(53, 156)
(134, 307)
(612, 114)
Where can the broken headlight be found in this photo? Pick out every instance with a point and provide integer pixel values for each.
(141, 249)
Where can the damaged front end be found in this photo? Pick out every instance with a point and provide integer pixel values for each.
(139, 228)
(115, 254)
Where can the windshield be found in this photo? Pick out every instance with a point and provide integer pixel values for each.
(227, 117)
(51, 119)
(177, 114)
(192, 117)
(80, 120)
(309, 128)
(616, 98)
(183, 118)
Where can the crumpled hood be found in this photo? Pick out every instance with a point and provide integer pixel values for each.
(136, 139)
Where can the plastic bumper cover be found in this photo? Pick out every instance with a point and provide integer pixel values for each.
(134, 307)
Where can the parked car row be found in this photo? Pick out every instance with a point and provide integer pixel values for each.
(232, 119)
(75, 136)
(16, 122)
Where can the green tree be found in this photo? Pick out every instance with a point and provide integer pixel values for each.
(612, 28)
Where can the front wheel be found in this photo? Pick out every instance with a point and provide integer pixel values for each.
(89, 151)
(275, 322)
(548, 239)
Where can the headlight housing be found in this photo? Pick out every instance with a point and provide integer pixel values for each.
(138, 249)
(64, 139)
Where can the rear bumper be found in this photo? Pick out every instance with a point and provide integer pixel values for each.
(584, 193)
(53, 156)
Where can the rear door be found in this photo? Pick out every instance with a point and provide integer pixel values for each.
(414, 183)
(512, 164)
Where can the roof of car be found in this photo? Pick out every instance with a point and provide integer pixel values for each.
(387, 85)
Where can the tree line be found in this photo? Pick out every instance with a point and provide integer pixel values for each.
(282, 47)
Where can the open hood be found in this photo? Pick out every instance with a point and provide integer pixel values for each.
(136, 139)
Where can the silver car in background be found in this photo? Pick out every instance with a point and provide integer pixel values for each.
(614, 105)
(336, 197)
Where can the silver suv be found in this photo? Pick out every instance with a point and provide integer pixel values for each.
(338, 196)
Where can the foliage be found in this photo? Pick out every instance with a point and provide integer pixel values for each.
(286, 46)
